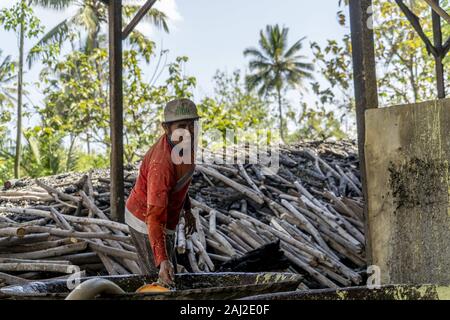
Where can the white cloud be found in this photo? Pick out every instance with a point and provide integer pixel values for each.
(169, 7)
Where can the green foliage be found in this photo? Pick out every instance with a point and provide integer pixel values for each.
(6, 157)
(44, 153)
(85, 162)
(77, 100)
(88, 20)
(405, 68)
(276, 67)
(318, 124)
(335, 65)
(21, 13)
(7, 89)
(233, 106)
(7, 78)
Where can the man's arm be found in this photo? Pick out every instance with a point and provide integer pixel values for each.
(156, 225)
(159, 181)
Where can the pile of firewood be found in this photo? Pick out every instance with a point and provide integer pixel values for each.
(311, 209)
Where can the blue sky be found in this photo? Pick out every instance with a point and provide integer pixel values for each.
(214, 33)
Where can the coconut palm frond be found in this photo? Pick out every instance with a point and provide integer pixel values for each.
(154, 16)
(296, 47)
(53, 4)
(58, 34)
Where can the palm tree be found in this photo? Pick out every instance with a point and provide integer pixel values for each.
(90, 16)
(7, 79)
(275, 67)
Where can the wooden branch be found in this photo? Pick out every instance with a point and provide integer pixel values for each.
(191, 256)
(308, 226)
(60, 195)
(111, 266)
(39, 245)
(17, 260)
(202, 251)
(60, 220)
(22, 231)
(316, 275)
(113, 251)
(12, 241)
(181, 237)
(46, 253)
(46, 267)
(212, 221)
(80, 220)
(79, 258)
(12, 280)
(238, 187)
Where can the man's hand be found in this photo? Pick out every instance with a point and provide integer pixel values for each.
(190, 222)
(166, 273)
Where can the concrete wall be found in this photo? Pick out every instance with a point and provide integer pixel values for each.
(407, 158)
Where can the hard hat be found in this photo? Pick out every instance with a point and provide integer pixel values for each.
(180, 109)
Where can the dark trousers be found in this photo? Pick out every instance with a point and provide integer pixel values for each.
(145, 254)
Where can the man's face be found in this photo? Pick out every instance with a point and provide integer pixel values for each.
(178, 127)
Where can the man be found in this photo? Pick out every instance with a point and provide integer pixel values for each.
(161, 192)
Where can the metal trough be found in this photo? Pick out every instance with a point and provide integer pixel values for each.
(210, 286)
(388, 292)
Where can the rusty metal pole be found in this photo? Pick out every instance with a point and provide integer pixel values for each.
(116, 109)
(365, 84)
(437, 35)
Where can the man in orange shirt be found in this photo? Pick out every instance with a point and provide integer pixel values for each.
(161, 192)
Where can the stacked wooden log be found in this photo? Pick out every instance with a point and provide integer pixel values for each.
(60, 232)
(312, 205)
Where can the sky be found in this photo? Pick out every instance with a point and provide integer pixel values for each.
(212, 33)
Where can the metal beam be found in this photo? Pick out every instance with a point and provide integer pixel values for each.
(415, 23)
(437, 35)
(137, 18)
(116, 109)
(438, 9)
(365, 82)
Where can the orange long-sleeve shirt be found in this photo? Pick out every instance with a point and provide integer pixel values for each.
(153, 199)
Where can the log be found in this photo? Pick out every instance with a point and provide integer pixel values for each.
(320, 223)
(79, 258)
(311, 271)
(74, 219)
(238, 187)
(22, 231)
(113, 251)
(45, 267)
(212, 222)
(39, 245)
(60, 195)
(304, 222)
(46, 253)
(202, 251)
(181, 237)
(191, 256)
(111, 266)
(60, 220)
(12, 280)
(12, 241)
